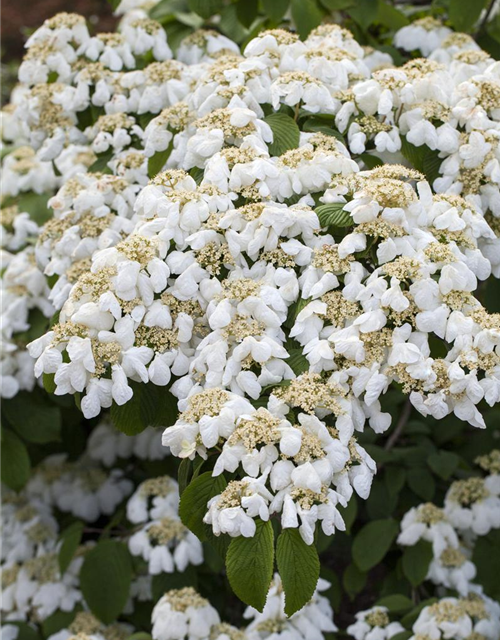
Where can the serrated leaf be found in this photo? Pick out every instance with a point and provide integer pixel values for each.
(333, 215)
(416, 561)
(286, 133)
(33, 417)
(298, 566)
(105, 579)
(373, 542)
(249, 565)
(70, 539)
(193, 504)
(297, 361)
(16, 465)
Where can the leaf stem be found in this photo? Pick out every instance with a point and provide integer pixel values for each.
(403, 419)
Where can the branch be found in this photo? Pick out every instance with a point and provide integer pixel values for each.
(403, 419)
(485, 18)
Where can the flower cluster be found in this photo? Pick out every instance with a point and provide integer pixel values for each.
(252, 270)
(276, 237)
(471, 509)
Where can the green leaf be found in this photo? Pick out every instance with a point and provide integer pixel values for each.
(416, 561)
(101, 164)
(353, 580)
(373, 542)
(48, 382)
(402, 635)
(422, 158)
(333, 215)
(157, 161)
(443, 463)
(298, 566)
(463, 14)
(166, 410)
(230, 25)
(105, 579)
(421, 482)
(389, 16)
(70, 538)
(394, 478)
(306, 15)
(57, 621)
(247, 11)
(205, 8)
(36, 205)
(337, 5)
(139, 412)
(286, 133)
(219, 543)
(395, 603)
(364, 12)
(166, 8)
(349, 513)
(297, 361)
(16, 465)
(163, 582)
(294, 310)
(183, 474)
(275, 9)
(486, 557)
(140, 635)
(409, 619)
(371, 161)
(193, 505)
(33, 417)
(249, 565)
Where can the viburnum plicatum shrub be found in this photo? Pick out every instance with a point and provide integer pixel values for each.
(250, 347)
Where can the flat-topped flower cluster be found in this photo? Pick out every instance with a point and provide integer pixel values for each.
(226, 245)
(277, 236)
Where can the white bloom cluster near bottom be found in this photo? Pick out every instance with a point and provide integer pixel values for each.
(471, 509)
